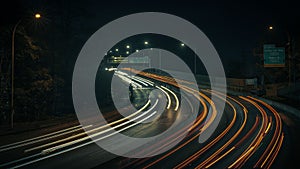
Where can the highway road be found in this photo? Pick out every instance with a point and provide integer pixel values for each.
(251, 133)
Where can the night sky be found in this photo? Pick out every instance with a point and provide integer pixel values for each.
(235, 28)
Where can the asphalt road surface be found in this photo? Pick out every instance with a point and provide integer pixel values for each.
(250, 134)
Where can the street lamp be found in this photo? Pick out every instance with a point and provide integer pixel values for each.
(289, 55)
(146, 42)
(37, 16)
(270, 27)
(195, 57)
(127, 46)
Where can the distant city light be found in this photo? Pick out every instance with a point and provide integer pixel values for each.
(270, 27)
(127, 46)
(137, 50)
(146, 43)
(117, 50)
(182, 44)
(127, 52)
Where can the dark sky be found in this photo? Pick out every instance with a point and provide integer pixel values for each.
(233, 27)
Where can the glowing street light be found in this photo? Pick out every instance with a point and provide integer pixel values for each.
(146, 42)
(182, 44)
(137, 50)
(127, 46)
(127, 52)
(271, 28)
(37, 16)
(117, 50)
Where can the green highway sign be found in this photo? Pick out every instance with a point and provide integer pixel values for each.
(274, 56)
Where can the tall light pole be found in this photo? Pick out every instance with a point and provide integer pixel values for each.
(195, 58)
(289, 54)
(146, 43)
(37, 16)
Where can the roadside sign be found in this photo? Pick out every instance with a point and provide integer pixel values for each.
(274, 56)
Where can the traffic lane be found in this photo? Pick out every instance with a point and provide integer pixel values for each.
(257, 152)
(155, 127)
(166, 119)
(19, 151)
(228, 139)
(242, 146)
(73, 159)
(181, 154)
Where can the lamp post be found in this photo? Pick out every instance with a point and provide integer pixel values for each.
(37, 16)
(289, 55)
(147, 45)
(195, 58)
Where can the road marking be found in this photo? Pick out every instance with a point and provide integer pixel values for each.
(49, 134)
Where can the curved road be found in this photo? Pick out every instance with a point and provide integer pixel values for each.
(249, 135)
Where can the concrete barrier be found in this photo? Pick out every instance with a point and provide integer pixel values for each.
(281, 106)
(286, 108)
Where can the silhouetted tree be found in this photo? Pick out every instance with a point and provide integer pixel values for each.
(34, 83)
